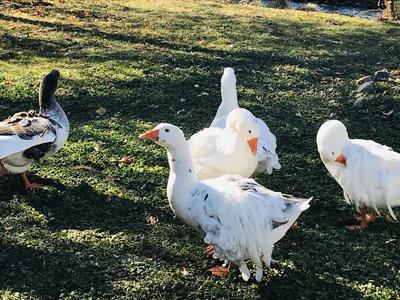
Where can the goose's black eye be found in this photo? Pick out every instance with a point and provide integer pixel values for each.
(167, 130)
(333, 153)
(250, 131)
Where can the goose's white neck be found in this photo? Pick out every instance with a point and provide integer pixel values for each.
(56, 113)
(182, 181)
(229, 96)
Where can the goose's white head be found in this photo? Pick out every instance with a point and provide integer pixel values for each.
(332, 137)
(166, 135)
(228, 88)
(245, 125)
(229, 75)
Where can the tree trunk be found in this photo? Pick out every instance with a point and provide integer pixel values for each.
(393, 9)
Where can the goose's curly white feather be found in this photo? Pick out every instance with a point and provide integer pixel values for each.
(370, 177)
(237, 216)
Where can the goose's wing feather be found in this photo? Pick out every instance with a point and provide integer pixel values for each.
(266, 149)
(383, 152)
(23, 131)
(208, 148)
(285, 209)
(242, 219)
(371, 175)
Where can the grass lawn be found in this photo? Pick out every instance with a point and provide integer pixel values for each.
(89, 235)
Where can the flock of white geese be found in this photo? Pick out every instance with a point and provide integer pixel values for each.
(209, 186)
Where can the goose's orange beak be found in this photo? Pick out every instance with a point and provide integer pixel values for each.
(253, 145)
(341, 159)
(150, 135)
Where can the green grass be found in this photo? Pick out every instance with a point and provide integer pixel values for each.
(88, 235)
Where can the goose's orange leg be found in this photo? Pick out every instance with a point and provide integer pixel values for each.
(29, 185)
(3, 170)
(365, 219)
(209, 251)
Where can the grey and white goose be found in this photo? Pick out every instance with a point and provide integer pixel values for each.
(27, 137)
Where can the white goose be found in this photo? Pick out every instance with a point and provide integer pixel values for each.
(231, 150)
(368, 172)
(266, 147)
(27, 137)
(237, 216)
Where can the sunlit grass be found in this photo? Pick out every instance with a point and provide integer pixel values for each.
(88, 234)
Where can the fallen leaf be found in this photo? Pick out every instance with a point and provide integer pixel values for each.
(127, 159)
(389, 218)
(111, 178)
(101, 111)
(219, 271)
(153, 220)
(185, 272)
(295, 225)
(82, 168)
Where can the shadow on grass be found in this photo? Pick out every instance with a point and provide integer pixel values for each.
(65, 248)
(75, 239)
(27, 269)
(283, 35)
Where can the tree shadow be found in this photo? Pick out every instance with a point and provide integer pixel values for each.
(83, 239)
(285, 35)
(335, 258)
(28, 269)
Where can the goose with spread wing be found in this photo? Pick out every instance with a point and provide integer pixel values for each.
(239, 218)
(27, 137)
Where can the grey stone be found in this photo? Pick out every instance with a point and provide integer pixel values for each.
(364, 79)
(382, 75)
(357, 103)
(359, 99)
(366, 87)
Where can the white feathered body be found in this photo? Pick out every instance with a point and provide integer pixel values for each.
(217, 151)
(371, 177)
(238, 217)
(266, 146)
